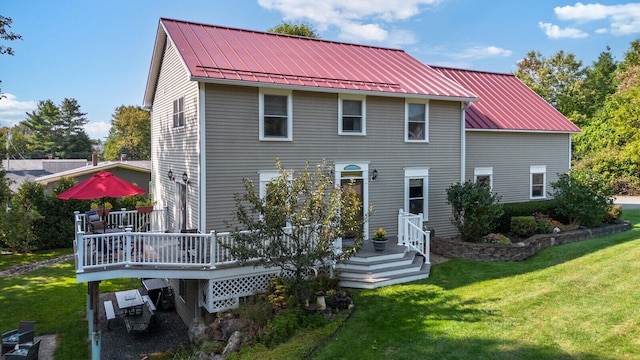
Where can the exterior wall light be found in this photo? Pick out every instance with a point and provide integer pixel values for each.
(374, 175)
(170, 175)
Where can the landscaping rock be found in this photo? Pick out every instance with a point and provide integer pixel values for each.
(235, 341)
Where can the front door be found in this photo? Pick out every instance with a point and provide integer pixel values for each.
(355, 176)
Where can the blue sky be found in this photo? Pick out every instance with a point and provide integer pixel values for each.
(99, 52)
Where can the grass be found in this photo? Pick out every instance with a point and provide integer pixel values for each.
(9, 260)
(51, 297)
(575, 301)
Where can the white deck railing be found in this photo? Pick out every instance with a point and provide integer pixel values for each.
(124, 247)
(411, 234)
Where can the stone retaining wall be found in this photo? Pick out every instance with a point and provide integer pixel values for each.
(521, 250)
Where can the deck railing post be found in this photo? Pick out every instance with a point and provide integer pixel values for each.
(128, 246)
(212, 249)
(80, 248)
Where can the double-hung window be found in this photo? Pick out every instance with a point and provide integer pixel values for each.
(178, 112)
(538, 179)
(266, 183)
(416, 121)
(416, 191)
(352, 115)
(484, 175)
(276, 115)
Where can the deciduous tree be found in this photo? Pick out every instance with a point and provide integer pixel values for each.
(295, 225)
(130, 134)
(295, 28)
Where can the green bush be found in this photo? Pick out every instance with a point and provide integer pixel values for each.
(475, 209)
(496, 239)
(613, 214)
(526, 209)
(523, 226)
(283, 326)
(583, 197)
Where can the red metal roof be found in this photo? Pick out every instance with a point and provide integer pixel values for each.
(506, 103)
(227, 54)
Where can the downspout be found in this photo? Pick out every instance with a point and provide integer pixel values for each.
(463, 140)
(570, 146)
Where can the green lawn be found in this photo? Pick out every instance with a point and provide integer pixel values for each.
(576, 301)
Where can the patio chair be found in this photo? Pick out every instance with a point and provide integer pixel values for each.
(22, 335)
(24, 352)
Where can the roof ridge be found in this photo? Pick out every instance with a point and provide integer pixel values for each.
(470, 70)
(283, 35)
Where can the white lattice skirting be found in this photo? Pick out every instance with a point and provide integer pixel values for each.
(220, 295)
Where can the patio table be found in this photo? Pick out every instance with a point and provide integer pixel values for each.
(130, 301)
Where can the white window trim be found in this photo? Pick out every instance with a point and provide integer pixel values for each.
(538, 169)
(362, 98)
(426, 120)
(279, 92)
(484, 171)
(417, 173)
(364, 168)
(265, 177)
(178, 112)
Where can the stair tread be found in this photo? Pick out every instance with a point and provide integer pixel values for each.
(424, 270)
(415, 263)
(351, 260)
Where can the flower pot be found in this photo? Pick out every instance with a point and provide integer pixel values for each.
(144, 209)
(100, 212)
(379, 245)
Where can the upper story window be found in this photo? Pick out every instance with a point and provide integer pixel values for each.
(416, 190)
(484, 175)
(352, 115)
(276, 115)
(538, 180)
(178, 112)
(416, 121)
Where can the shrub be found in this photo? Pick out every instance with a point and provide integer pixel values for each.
(339, 299)
(523, 226)
(526, 209)
(475, 209)
(584, 197)
(613, 215)
(283, 326)
(543, 223)
(496, 239)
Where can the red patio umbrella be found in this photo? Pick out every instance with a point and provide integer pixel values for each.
(100, 185)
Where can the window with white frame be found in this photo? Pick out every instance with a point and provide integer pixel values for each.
(275, 115)
(416, 121)
(484, 175)
(178, 112)
(416, 186)
(538, 180)
(352, 115)
(265, 181)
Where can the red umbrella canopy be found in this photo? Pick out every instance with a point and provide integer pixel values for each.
(101, 184)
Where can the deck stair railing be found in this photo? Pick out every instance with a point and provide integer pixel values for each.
(412, 235)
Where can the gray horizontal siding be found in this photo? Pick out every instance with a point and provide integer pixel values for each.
(175, 148)
(234, 151)
(512, 154)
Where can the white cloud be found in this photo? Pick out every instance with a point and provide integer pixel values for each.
(555, 32)
(97, 129)
(357, 20)
(624, 19)
(477, 53)
(13, 111)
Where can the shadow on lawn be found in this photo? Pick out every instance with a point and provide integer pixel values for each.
(458, 272)
(406, 322)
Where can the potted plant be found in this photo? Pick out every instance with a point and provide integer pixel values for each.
(379, 239)
(145, 205)
(106, 207)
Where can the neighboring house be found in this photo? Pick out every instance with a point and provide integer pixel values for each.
(515, 140)
(137, 172)
(20, 171)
